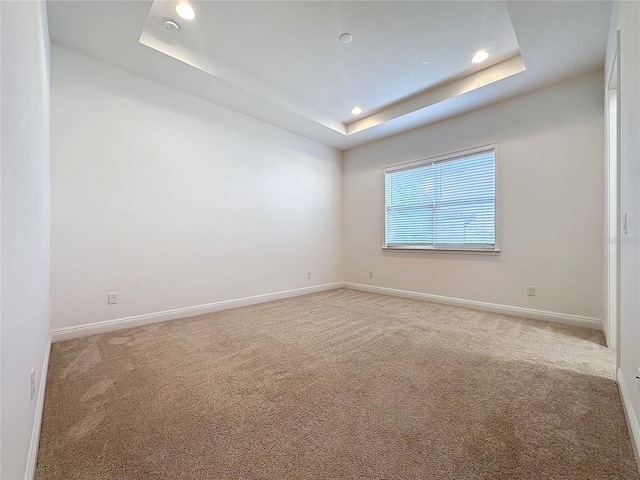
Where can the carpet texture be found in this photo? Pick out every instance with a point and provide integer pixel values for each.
(340, 384)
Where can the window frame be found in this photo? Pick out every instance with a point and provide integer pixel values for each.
(494, 250)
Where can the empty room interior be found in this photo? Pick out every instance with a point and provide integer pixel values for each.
(320, 239)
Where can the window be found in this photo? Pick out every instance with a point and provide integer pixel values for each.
(444, 203)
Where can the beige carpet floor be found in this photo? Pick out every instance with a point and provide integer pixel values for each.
(340, 384)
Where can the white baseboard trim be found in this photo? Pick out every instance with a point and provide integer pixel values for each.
(32, 458)
(632, 420)
(567, 319)
(68, 333)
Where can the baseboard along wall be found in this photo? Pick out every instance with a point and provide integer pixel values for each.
(632, 420)
(32, 458)
(567, 319)
(68, 333)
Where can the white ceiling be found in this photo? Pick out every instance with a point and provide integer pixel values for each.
(282, 62)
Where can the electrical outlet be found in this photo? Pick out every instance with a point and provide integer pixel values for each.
(33, 383)
(371, 274)
(531, 291)
(308, 274)
(112, 298)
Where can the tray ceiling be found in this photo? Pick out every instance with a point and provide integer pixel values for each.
(284, 63)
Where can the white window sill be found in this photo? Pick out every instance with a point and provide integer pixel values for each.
(471, 251)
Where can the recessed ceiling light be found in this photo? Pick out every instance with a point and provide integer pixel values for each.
(170, 24)
(185, 11)
(356, 110)
(346, 38)
(425, 63)
(480, 56)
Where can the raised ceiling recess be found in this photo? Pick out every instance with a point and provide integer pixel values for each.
(320, 59)
(408, 63)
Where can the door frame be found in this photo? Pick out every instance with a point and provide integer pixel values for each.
(612, 205)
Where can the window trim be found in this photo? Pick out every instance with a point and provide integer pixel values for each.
(474, 250)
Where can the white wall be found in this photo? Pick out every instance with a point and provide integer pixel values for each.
(551, 204)
(173, 202)
(25, 229)
(626, 18)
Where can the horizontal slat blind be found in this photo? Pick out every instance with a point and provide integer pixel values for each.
(447, 203)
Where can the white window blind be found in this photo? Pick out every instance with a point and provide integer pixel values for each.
(447, 203)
